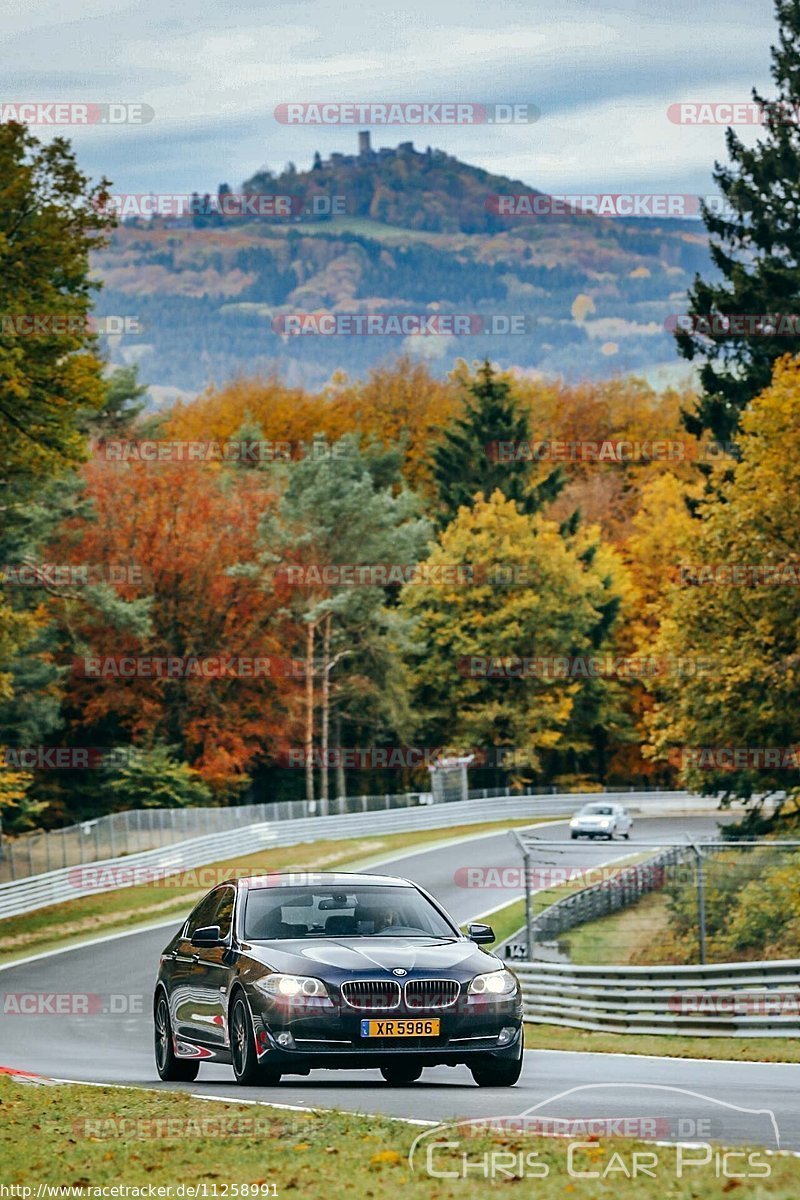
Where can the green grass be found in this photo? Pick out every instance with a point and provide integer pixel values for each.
(125, 908)
(744, 1049)
(80, 1137)
(620, 936)
(510, 919)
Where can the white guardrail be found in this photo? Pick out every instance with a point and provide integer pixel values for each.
(742, 999)
(68, 883)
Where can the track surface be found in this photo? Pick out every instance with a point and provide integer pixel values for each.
(117, 1047)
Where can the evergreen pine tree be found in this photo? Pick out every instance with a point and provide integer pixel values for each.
(755, 244)
(467, 461)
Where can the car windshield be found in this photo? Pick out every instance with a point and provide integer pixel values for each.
(597, 810)
(282, 913)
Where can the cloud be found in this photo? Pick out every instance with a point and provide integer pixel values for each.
(601, 79)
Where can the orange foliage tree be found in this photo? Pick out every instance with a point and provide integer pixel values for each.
(181, 528)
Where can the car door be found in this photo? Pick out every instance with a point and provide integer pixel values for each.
(211, 974)
(192, 1006)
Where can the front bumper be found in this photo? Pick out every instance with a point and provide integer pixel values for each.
(332, 1037)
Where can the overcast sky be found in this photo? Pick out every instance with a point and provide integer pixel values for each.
(602, 75)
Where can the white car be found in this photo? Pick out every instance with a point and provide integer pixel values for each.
(601, 819)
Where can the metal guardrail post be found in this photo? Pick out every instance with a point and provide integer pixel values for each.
(529, 930)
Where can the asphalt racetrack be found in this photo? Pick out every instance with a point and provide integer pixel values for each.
(673, 1099)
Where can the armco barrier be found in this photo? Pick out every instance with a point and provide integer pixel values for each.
(138, 829)
(54, 887)
(752, 999)
(625, 887)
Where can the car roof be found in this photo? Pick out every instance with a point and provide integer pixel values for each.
(315, 879)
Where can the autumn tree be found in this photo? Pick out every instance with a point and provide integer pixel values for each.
(531, 599)
(343, 507)
(50, 374)
(50, 219)
(742, 627)
(176, 531)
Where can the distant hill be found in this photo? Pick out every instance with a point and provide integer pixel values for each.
(417, 233)
(399, 186)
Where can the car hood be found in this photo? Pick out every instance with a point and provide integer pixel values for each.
(366, 956)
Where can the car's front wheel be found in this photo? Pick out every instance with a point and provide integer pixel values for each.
(502, 1072)
(170, 1068)
(246, 1067)
(399, 1073)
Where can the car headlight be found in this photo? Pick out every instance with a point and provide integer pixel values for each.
(291, 987)
(494, 984)
(606, 821)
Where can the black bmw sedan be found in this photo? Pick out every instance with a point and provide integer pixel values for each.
(278, 974)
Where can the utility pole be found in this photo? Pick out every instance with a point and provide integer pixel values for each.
(701, 904)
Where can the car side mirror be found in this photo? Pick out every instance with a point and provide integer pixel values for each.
(480, 934)
(208, 935)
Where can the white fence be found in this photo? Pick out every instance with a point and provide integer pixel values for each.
(130, 832)
(68, 883)
(756, 999)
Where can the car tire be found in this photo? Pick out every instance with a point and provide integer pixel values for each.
(573, 835)
(397, 1074)
(627, 836)
(502, 1072)
(170, 1068)
(246, 1067)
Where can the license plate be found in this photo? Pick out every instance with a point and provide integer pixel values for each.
(400, 1027)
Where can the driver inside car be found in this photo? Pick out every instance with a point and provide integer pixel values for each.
(374, 920)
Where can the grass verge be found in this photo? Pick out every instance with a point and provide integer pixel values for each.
(621, 936)
(83, 1138)
(744, 1049)
(510, 918)
(63, 924)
